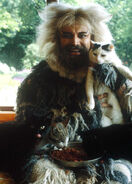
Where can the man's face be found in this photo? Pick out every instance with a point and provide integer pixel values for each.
(74, 46)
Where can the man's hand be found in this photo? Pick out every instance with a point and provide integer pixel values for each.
(102, 97)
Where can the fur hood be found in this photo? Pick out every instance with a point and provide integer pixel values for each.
(54, 17)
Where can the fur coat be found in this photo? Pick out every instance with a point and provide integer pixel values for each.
(46, 100)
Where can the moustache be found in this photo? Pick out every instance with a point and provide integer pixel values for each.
(70, 48)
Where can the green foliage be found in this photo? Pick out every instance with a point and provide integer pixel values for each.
(17, 29)
(73, 2)
(76, 2)
(8, 26)
(28, 11)
(14, 50)
(121, 27)
(31, 58)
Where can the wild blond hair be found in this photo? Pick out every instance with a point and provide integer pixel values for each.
(55, 16)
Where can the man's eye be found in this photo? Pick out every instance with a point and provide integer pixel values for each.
(66, 35)
(82, 35)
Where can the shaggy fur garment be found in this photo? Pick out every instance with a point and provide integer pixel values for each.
(67, 96)
(41, 92)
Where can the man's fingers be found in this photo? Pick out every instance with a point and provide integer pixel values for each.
(100, 97)
(104, 104)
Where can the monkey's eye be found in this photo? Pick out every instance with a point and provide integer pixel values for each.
(103, 55)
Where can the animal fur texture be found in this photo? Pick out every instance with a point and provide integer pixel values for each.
(111, 114)
(54, 17)
(121, 86)
(47, 172)
(44, 110)
(103, 53)
(109, 140)
(51, 88)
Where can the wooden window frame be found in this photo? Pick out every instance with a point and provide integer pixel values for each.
(7, 113)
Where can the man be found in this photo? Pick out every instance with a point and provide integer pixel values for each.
(53, 96)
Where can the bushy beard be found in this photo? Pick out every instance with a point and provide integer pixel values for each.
(74, 62)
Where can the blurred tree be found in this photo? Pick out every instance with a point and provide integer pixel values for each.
(121, 27)
(9, 24)
(31, 58)
(17, 31)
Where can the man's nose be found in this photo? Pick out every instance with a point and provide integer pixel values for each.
(75, 41)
